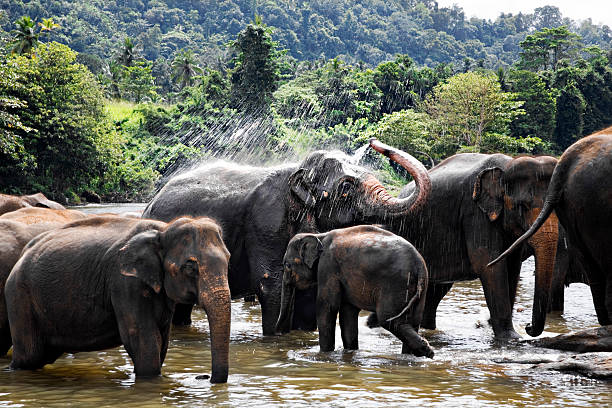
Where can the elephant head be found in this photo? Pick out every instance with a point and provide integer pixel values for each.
(339, 193)
(188, 261)
(40, 200)
(300, 272)
(514, 196)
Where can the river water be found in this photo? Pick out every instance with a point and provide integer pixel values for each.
(469, 369)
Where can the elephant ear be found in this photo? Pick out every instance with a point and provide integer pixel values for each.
(139, 258)
(489, 193)
(300, 189)
(310, 250)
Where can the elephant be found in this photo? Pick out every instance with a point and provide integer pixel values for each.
(479, 204)
(104, 281)
(17, 228)
(358, 268)
(566, 271)
(261, 208)
(11, 203)
(38, 215)
(579, 195)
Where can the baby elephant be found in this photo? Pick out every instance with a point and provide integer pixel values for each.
(358, 268)
(105, 281)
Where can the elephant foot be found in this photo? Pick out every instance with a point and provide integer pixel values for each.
(507, 334)
(372, 321)
(429, 324)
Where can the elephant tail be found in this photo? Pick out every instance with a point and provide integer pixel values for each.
(419, 292)
(547, 209)
(553, 196)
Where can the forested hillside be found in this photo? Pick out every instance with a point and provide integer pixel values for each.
(113, 96)
(371, 31)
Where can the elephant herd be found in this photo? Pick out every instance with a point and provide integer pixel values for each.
(301, 238)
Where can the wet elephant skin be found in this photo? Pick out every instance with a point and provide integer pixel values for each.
(359, 268)
(580, 194)
(479, 204)
(10, 203)
(17, 228)
(260, 209)
(105, 281)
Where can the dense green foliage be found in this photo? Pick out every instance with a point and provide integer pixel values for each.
(246, 97)
(54, 126)
(372, 31)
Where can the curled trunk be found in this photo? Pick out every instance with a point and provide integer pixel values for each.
(391, 206)
(217, 304)
(544, 243)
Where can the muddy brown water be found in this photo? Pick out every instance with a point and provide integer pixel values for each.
(469, 368)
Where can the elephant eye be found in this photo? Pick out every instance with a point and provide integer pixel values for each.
(345, 189)
(190, 268)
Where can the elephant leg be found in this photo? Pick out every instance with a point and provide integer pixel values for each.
(497, 292)
(328, 305)
(412, 343)
(5, 340)
(304, 311)
(349, 315)
(557, 295)
(28, 343)
(182, 315)
(435, 293)
(5, 329)
(514, 273)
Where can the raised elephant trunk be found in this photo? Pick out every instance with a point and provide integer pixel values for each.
(544, 243)
(392, 206)
(283, 324)
(216, 302)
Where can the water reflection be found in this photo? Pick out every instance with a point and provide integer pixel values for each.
(469, 369)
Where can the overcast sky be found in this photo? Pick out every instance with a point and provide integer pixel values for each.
(600, 11)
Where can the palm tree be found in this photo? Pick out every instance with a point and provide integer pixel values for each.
(47, 26)
(25, 38)
(127, 54)
(185, 68)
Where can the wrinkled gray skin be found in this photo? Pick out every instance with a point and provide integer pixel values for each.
(260, 209)
(579, 193)
(479, 204)
(353, 269)
(17, 228)
(10, 203)
(106, 281)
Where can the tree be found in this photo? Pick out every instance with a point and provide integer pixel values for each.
(547, 47)
(470, 105)
(137, 82)
(47, 26)
(127, 53)
(539, 106)
(547, 17)
(570, 116)
(25, 36)
(409, 131)
(62, 101)
(256, 68)
(185, 68)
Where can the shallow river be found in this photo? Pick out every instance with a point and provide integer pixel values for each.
(468, 369)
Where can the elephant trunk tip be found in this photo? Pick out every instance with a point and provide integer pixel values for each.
(534, 331)
(219, 375)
